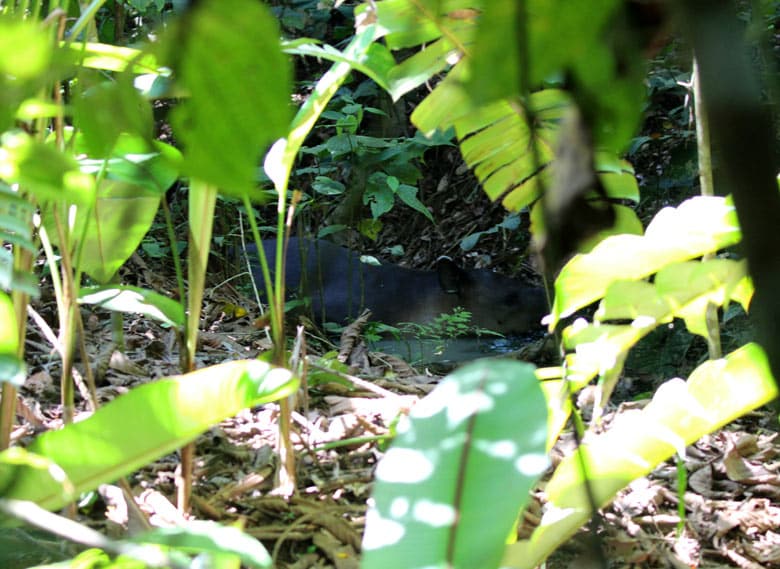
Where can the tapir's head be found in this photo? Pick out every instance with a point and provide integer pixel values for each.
(496, 302)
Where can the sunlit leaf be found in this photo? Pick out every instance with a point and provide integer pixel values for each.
(460, 450)
(134, 300)
(140, 427)
(699, 225)
(717, 392)
(12, 369)
(239, 100)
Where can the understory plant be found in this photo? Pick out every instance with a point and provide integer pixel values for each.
(516, 142)
(84, 175)
(80, 171)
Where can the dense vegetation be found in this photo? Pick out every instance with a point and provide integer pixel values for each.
(149, 126)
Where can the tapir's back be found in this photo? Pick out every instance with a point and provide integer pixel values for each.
(340, 286)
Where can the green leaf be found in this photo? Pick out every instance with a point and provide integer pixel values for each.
(25, 55)
(16, 215)
(699, 225)
(629, 300)
(496, 52)
(496, 138)
(690, 287)
(202, 199)
(109, 109)
(405, 23)
(408, 195)
(12, 279)
(615, 112)
(50, 175)
(327, 187)
(12, 369)
(627, 222)
(419, 68)
(212, 538)
(601, 350)
(561, 33)
(375, 62)
(25, 51)
(619, 185)
(460, 449)
(379, 197)
(681, 290)
(229, 58)
(136, 162)
(140, 427)
(132, 182)
(717, 392)
(134, 300)
(128, 200)
(115, 58)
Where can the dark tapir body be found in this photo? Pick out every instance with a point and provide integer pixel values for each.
(340, 286)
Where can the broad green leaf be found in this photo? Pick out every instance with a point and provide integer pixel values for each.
(140, 427)
(109, 109)
(699, 225)
(134, 300)
(479, 95)
(447, 103)
(627, 222)
(133, 181)
(128, 200)
(408, 195)
(24, 547)
(136, 162)
(717, 392)
(380, 198)
(115, 58)
(202, 200)
(12, 369)
(453, 32)
(211, 538)
(689, 287)
(629, 300)
(13, 279)
(496, 53)
(561, 33)
(51, 176)
(556, 392)
(460, 449)
(496, 141)
(9, 335)
(25, 56)
(16, 215)
(599, 350)
(681, 290)
(608, 163)
(405, 23)
(25, 50)
(419, 68)
(620, 185)
(615, 112)
(239, 101)
(375, 62)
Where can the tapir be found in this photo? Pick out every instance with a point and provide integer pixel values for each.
(340, 286)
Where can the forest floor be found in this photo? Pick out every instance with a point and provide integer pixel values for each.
(731, 502)
(731, 499)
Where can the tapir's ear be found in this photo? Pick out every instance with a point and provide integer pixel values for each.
(451, 276)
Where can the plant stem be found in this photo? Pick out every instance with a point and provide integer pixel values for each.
(707, 188)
